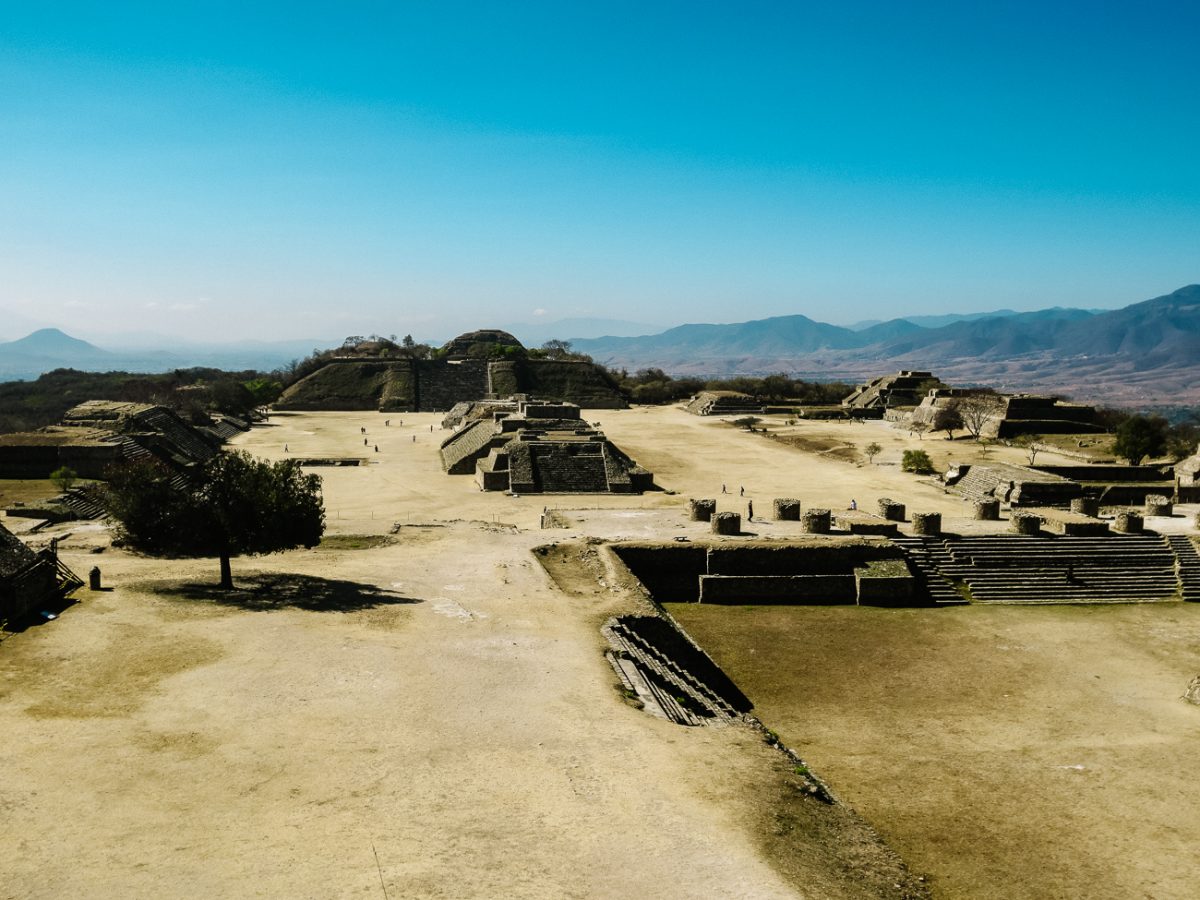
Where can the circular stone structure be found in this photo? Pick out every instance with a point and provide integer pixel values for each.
(927, 524)
(816, 521)
(1086, 506)
(1025, 523)
(1158, 505)
(727, 523)
(786, 509)
(701, 510)
(464, 345)
(891, 510)
(987, 510)
(1128, 522)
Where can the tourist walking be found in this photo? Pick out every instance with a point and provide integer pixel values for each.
(741, 491)
(285, 449)
(750, 511)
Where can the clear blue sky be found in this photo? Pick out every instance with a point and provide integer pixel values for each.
(302, 169)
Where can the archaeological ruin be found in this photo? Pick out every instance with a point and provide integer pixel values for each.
(904, 388)
(473, 366)
(539, 447)
(30, 580)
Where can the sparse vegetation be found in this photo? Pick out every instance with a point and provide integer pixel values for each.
(1031, 444)
(871, 451)
(64, 478)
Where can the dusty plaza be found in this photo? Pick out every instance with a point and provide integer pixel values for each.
(421, 706)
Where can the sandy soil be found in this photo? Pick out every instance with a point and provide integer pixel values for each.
(433, 716)
(436, 701)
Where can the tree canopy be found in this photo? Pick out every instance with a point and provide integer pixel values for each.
(1139, 437)
(236, 505)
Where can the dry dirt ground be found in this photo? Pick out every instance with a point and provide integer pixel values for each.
(432, 716)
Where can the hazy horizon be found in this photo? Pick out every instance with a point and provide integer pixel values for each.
(218, 173)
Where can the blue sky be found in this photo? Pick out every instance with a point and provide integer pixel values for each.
(304, 169)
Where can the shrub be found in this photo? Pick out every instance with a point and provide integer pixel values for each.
(64, 478)
(916, 461)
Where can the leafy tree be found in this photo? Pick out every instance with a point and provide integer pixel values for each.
(263, 390)
(64, 478)
(947, 418)
(747, 422)
(872, 450)
(1139, 437)
(916, 461)
(237, 505)
(1028, 443)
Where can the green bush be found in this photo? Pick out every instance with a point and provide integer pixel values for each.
(916, 461)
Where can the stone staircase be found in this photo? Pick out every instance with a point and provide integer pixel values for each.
(669, 674)
(83, 503)
(1187, 566)
(574, 467)
(925, 558)
(182, 438)
(1056, 569)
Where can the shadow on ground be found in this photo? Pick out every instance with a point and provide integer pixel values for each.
(270, 591)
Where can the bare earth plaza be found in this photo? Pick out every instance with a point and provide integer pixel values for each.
(599, 451)
(479, 693)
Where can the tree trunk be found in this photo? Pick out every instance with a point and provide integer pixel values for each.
(226, 573)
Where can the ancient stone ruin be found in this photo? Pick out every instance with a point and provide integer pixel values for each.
(1013, 485)
(541, 448)
(1013, 415)
(477, 365)
(723, 403)
(99, 433)
(30, 580)
(904, 388)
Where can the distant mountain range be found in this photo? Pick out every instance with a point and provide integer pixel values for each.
(1144, 354)
(1147, 353)
(49, 348)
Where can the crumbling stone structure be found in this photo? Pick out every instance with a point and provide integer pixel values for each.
(786, 509)
(98, 434)
(1025, 523)
(478, 365)
(723, 403)
(816, 521)
(1015, 414)
(904, 388)
(1158, 505)
(726, 523)
(891, 510)
(987, 510)
(701, 510)
(1014, 485)
(1086, 506)
(524, 453)
(30, 579)
(927, 524)
(1128, 522)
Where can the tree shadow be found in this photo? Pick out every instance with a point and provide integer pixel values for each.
(264, 592)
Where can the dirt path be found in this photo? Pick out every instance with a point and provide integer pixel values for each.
(436, 701)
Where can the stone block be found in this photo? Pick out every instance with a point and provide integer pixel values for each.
(927, 523)
(816, 521)
(1158, 505)
(1128, 522)
(987, 510)
(786, 509)
(1025, 523)
(727, 523)
(1086, 506)
(701, 510)
(891, 510)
